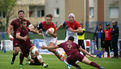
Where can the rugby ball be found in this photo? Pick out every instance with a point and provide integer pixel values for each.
(50, 29)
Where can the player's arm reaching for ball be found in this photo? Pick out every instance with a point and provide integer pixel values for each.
(84, 51)
(49, 47)
(59, 26)
(35, 31)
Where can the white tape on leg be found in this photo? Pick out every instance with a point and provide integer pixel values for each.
(39, 57)
(34, 50)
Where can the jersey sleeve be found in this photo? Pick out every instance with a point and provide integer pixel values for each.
(12, 23)
(54, 28)
(18, 30)
(78, 46)
(60, 45)
(28, 22)
(64, 24)
(78, 25)
(39, 26)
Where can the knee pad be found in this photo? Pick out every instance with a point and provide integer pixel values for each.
(34, 50)
(39, 56)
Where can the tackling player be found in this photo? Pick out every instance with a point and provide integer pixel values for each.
(73, 54)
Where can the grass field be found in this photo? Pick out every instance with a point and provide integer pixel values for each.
(54, 63)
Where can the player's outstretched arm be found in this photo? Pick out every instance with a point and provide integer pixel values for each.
(59, 27)
(49, 47)
(84, 51)
(35, 31)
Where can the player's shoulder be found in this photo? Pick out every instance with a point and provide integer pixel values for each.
(76, 22)
(43, 23)
(19, 29)
(67, 21)
(15, 19)
(74, 43)
(26, 20)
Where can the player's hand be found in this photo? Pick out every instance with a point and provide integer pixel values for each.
(25, 38)
(40, 34)
(70, 29)
(93, 56)
(10, 37)
(50, 33)
(43, 47)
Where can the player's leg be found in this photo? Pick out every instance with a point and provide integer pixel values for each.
(58, 55)
(87, 61)
(72, 60)
(34, 50)
(24, 53)
(15, 53)
(21, 57)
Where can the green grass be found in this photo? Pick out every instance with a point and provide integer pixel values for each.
(55, 63)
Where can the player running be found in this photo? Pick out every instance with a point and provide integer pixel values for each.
(52, 39)
(73, 54)
(22, 35)
(13, 27)
(72, 27)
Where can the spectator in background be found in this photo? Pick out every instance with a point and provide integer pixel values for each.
(115, 35)
(99, 37)
(107, 33)
(81, 38)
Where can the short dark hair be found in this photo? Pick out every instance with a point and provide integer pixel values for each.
(20, 11)
(49, 15)
(71, 38)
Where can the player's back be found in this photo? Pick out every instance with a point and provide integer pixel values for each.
(70, 47)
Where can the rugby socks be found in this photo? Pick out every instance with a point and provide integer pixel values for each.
(21, 58)
(14, 57)
(42, 63)
(95, 65)
(61, 57)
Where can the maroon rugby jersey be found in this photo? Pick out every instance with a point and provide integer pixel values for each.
(24, 32)
(16, 24)
(69, 47)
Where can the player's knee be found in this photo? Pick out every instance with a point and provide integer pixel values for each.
(39, 57)
(16, 50)
(34, 50)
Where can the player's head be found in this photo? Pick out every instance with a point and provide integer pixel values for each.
(49, 18)
(23, 24)
(71, 17)
(21, 14)
(71, 38)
